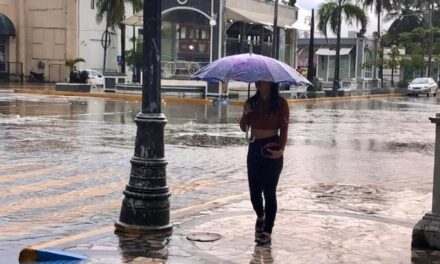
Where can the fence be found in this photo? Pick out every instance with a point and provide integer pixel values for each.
(11, 71)
(180, 70)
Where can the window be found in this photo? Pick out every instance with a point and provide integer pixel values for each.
(2, 56)
(92, 4)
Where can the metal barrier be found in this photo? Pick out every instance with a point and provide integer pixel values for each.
(180, 70)
(11, 71)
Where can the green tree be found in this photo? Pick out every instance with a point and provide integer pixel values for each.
(331, 13)
(406, 18)
(379, 6)
(134, 57)
(393, 61)
(416, 62)
(114, 11)
(289, 2)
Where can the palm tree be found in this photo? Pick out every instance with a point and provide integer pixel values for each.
(115, 13)
(331, 13)
(72, 62)
(379, 6)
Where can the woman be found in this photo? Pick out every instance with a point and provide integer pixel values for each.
(267, 114)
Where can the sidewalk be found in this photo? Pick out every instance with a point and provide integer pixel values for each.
(314, 225)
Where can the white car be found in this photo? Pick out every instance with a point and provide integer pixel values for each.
(422, 86)
(96, 79)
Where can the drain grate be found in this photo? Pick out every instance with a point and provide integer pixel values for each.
(203, 237)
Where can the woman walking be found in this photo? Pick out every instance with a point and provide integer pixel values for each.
(267, 114)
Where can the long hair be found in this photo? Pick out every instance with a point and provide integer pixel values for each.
(274, 99)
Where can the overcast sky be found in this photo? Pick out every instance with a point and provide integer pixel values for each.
(306, 5)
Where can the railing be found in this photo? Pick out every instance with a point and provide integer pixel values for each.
(180, 70)
(11, 71)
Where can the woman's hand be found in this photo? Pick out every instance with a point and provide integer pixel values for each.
(276, 154)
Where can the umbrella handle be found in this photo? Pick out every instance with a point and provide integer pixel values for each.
(248, 139)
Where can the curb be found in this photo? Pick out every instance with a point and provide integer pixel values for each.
(177, 100)
(42, 252)
(31, 254)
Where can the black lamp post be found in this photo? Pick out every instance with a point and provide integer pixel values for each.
(310, 68)
(146, 207)
(275, 40)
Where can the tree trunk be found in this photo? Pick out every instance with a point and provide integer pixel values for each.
(392, 76)
(380, 51)
(338, 52)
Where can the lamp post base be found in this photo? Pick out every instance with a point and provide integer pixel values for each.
(426, 233)
(163, 231)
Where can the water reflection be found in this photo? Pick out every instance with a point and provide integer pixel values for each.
(425, 257)
(262, 255)
(135, 248)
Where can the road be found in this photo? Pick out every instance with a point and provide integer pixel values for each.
(65, 161)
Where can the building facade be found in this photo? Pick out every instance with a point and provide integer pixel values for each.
(47, 32)
(196, 32)
(38, 36)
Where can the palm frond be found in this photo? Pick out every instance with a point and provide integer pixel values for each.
(71, 62)
(354, 12)
(326, 12)
(137, 4)
(113, 10)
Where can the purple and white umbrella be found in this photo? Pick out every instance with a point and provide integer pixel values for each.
(249, 68)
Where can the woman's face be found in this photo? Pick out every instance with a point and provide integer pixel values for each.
(263, 86)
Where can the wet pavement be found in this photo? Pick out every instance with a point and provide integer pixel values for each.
(65, 161)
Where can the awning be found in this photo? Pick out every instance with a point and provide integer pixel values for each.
(332, 52)
(248, 16)
(135, 20)
(257, 12)
(298, 25)
(6, 26)
(257, 17)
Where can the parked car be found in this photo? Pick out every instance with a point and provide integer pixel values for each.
(96, 79)
(422, 86)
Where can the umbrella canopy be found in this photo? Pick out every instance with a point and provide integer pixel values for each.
(249, 68)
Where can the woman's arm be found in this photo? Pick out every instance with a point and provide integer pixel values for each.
(284, 128)
(244, 121)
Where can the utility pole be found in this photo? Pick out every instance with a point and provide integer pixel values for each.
(275, 43)
(310, 73)
(106, 36)
(336, 84)
(431, 39)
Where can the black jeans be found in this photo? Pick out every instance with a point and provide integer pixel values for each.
(263, 176)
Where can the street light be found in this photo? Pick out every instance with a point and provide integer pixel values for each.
(146, 207)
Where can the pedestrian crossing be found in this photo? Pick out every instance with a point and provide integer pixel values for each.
(47, 199)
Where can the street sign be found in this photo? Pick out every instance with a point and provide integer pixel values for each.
(105, 44)
(119, 59)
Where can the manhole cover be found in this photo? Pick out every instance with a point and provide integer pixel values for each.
(203, 237)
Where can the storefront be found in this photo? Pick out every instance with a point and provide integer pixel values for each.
(196, 32)
(8, 70)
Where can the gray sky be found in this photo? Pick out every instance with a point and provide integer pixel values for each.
(306, 5)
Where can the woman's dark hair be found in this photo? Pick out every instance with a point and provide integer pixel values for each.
(274, 98)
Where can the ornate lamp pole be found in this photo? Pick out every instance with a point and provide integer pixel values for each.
(146, 207)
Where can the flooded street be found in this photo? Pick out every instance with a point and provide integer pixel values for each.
(64, 161)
